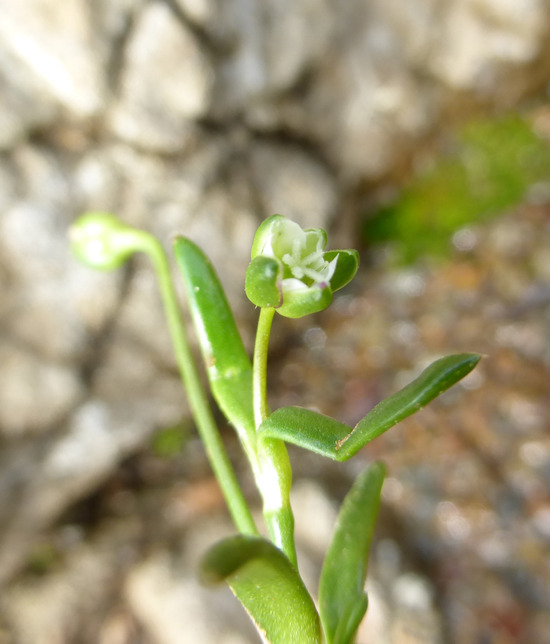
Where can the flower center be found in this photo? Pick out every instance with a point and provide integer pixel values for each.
(312, 265)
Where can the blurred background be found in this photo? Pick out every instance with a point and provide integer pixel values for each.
(416, 132)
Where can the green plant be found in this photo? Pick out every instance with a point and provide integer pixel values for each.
(289, 273)
(493, 163)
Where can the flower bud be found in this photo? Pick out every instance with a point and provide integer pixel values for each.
(102, 241)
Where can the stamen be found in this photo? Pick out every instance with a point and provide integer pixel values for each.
(316, 276)
(313, 257)
(300, 267)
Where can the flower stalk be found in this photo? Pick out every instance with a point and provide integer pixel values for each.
(102, 241)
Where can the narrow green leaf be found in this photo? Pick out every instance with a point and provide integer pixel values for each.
(350, 620)
(220, 341)
(434, 380)
(327, 436)
(346, 267)
(227, 363)
(342, 599)
(306, 428)
(268, 586)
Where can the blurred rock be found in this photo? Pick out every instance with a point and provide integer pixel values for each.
(34, 396)
(290, 181)
(165, 83)
(50, 303)
(172, 608)
(480, 42)
(61, 605)
(50, 67)
(265, 52)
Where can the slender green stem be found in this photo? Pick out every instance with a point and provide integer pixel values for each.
(198, 401)
(259, 365)
(275, 478)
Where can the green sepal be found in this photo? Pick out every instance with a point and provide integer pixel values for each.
(264, 232)
(329, 437)
(342, 599)
(304, 301)
(263, 282)
(346, 267)
(268, 586)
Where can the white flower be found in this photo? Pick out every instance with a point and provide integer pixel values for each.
(290, 269)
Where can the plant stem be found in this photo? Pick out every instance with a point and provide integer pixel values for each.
(198, 401)
(259, 365)
(275, 478)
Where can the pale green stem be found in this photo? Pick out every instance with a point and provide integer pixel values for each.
(198, 401)
(275, 478)
(259, 365)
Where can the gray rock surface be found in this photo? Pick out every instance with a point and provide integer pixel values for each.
(198, 117)
(51, 66)
(165, 84)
